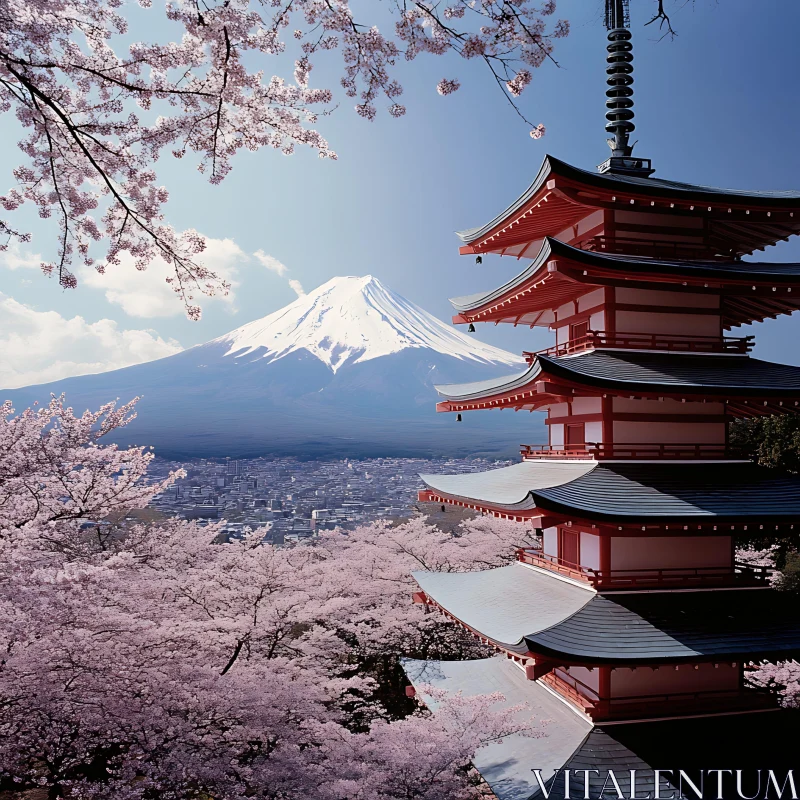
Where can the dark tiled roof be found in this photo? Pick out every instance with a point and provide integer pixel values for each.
(656, 187)
(745, 741)
(641, 267)
(732, 491)
(736, 270)
(634, 492)
(741, 741)
(642, 371)
(702, 374)
(632, 628)
(600, 751)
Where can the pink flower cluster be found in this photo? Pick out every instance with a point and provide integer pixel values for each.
(149, 660)
(447, 86)
(519, 82)
(96, 120)
(538, 131)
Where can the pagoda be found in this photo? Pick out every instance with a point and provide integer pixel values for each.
(632, 626)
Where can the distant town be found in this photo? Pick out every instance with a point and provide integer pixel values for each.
(288, 500)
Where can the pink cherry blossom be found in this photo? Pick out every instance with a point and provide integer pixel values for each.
(97, 113)
(447, 86)
(519, 82)
(147, 660)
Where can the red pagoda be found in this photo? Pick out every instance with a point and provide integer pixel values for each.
(632, 626)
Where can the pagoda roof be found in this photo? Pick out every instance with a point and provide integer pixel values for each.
(654, 626)
(504, 604)
(560, 273)
(736, 492)
(506, 766)
(561, 195)
(571, 624)
(622, 372)
(572, 742)
(509, 486)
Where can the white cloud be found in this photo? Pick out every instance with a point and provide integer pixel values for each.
(43, 346)
(147, 294)
(15, 258)
(271, 263)
(298, 287)
(279, 268)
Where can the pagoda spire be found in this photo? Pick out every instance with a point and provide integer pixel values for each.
(619, 94)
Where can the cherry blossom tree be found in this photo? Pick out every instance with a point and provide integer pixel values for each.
(149, 661)
(782, 677)
(98, 115)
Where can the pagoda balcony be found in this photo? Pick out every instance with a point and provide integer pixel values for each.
(748, 698)
(599, 451)
(599, 340)
(737, 576)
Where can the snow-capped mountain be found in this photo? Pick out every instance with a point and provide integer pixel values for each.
(347, 370)
(351, 320)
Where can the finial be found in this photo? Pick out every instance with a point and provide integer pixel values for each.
(619, 94)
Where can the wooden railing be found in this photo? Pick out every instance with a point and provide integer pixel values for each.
(738, 574)
(622, 450)
(647, 341)
(588, 700)
(533, 451)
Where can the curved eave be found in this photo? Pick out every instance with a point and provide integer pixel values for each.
(492, 388)
(726, 493)
(561, 195)
(561, 273)
(769, 380)
(508, 489)
(748, 386)
(505, 604)
(678, 498)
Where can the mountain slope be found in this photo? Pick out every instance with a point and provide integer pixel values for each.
(347, 370)
(352, 320)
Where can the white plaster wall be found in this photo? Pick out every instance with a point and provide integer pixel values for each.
(556, 435)
(550, 541)
(591, 677)
(668, 680)
(657, 297)
(590, 550)
(577, 231)
(669, 552)
(591, 300)
(626, 405)
(673, 324)
(594, 431)
(587, 405)
(597, 321)
(669, 432)
(567, 310)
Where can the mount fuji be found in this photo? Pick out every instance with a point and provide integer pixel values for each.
(344, 371)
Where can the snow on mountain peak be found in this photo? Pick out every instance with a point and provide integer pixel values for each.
(354, 319)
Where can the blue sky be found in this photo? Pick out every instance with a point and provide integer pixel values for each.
(717, 105)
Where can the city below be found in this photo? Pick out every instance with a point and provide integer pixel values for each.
(289, 500)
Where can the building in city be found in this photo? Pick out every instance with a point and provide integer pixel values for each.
(632, 627)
